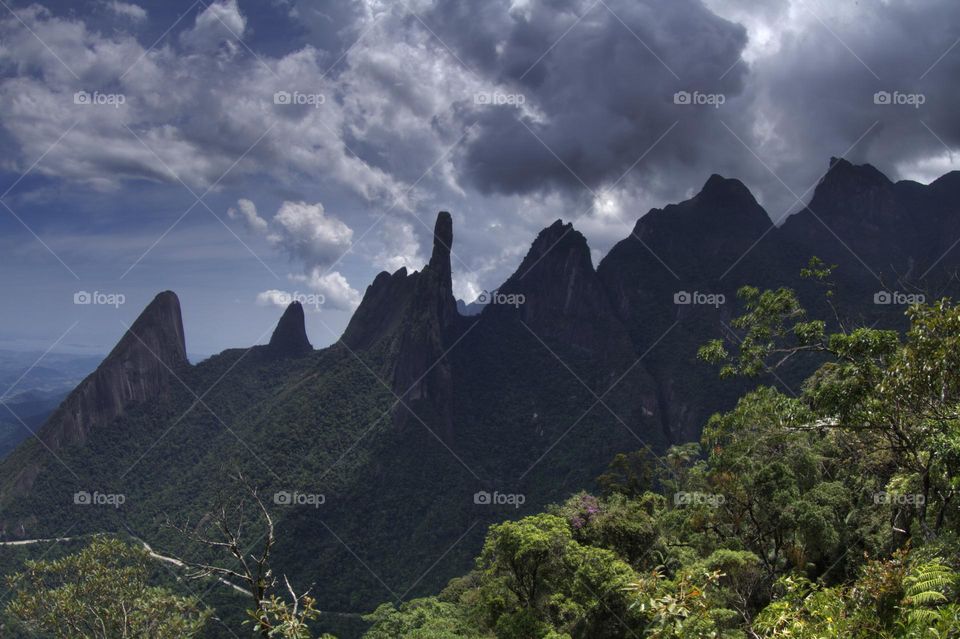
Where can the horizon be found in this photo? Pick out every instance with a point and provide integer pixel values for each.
(322, 334)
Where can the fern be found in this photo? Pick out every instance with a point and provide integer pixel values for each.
(927, 587)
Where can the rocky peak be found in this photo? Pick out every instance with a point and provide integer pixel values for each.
(442, 241)
(557, 293)
(854, 191)
(726, 193)
(854, 211)
(382, 309)
(289, 338)
(559, 253)
(159, 327)
(139, 368)
(390, 297)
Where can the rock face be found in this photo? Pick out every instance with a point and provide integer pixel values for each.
(139, 368)
(413, 318)
(382, 309)
(557, 294)
(853, 214)
(422, 376)
(289, 338)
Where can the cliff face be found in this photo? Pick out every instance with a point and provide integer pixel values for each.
(557, 294)
(413, 318)
(382, 310)
(139, 368)
(423, 376)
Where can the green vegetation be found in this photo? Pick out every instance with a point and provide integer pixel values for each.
(829, 513)
(101, 592)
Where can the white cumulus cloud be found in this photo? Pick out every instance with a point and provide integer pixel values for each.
(336, 290)
(247, 211)
(306, 232)
(127, 10)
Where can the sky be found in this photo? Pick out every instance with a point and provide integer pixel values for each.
(245, 153)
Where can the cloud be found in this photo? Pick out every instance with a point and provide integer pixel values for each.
(127, 10)
(248, 213)
(510, 114)
(183, 114)
(274, 297)
(218, 23)
(400, 247)
(306, 232)
(596, 83)
(337, 292)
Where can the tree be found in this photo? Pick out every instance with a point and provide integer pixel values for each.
(899, 399)
(224, 530)
(535, 579)
(101, 592)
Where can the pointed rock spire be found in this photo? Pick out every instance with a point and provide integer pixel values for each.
(392, 297)
(139, 367)
(289, 338)
(442, 241)
(422, 376)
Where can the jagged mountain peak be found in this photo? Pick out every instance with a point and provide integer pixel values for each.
(722, 191)
(851, 194)
(557, 294)
(843, 173)
(158, 327)
(555, 240)
(139, 368)
(289, 338)
(723, 209)
(391, 295)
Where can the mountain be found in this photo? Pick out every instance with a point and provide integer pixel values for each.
(897, 230)
(289, 338)
(420, 416)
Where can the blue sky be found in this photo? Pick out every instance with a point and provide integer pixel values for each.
(241, 152)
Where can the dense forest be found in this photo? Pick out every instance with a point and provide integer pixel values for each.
(826, 510)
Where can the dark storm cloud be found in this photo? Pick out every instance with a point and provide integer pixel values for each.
(818, 91)
(599, 80)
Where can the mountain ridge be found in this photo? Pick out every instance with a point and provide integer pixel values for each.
(418, 407)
